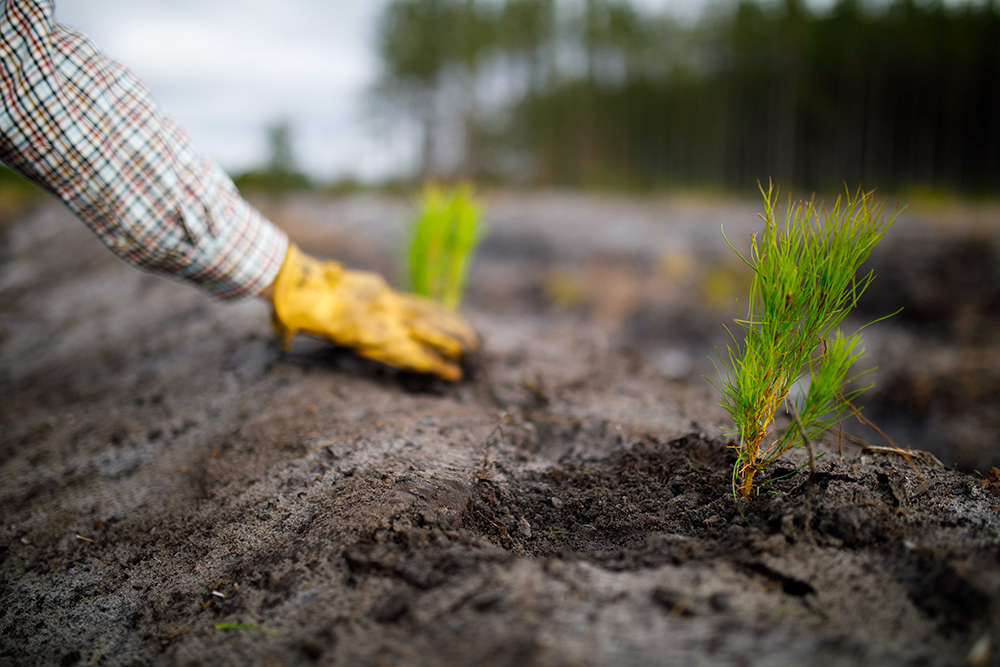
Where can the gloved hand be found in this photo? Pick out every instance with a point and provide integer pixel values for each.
(357, 309)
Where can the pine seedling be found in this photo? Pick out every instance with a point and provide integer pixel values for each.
(805, 283)
(442, 240)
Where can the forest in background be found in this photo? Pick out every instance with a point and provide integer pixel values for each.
(902, 95)
(600, 93)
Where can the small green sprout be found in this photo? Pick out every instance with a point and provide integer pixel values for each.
(804, 285)
(441, 242)
(244, 626)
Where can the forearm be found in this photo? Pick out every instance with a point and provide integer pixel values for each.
(89, 131)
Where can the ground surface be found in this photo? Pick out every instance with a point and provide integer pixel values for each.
(164, 469)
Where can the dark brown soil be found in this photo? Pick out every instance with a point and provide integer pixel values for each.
(165, 470)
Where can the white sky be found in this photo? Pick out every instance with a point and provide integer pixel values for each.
(225, 69)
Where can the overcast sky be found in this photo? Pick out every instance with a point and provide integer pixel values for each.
(225, 69)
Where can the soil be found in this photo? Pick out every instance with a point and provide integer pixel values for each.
(166, 472)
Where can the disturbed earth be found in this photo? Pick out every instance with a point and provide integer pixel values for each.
(174, 490)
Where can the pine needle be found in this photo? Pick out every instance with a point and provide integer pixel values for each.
(442, 241)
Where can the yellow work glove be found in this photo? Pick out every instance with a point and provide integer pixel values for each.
(358, 310)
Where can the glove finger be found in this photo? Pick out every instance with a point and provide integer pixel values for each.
(440, 318)
(442, 342)
(408, 354)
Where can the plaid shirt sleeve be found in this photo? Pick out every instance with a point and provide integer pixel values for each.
(88, 130)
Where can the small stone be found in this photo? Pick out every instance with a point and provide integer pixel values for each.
(719, 602)
(775, 545)
(557, 502)
(524, 528)
(980, 652)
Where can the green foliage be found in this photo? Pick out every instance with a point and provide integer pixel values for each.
(281, 173)
(270, 182)
(805, 283)
(613, 92)
(442, 240)
(16, 193)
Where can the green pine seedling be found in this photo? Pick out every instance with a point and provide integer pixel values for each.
(441, 243)
(805, 283)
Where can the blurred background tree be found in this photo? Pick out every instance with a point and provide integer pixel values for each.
(430, 47)
(279, 140)
(281, 172)
(608, 93)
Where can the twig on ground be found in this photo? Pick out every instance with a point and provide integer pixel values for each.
(907, 454)
(894, 448)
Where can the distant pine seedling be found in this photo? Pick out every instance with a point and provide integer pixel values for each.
(441, 243)
(805, 283)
